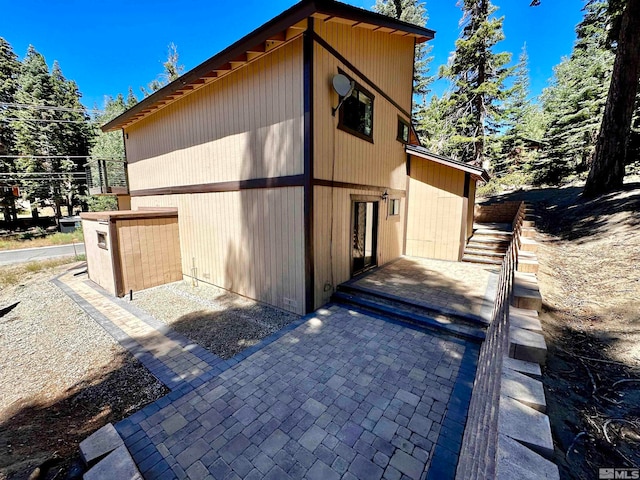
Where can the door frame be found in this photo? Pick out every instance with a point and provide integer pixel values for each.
(376, 200)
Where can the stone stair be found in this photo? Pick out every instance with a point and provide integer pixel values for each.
(106, 456)
(488, 244)
(421, 314)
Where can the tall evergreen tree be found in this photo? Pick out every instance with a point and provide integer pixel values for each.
(478, 75)
(608, 167)
(34, 132)
(412, 11)
(9, 71)
(522, 121)
(575, 101)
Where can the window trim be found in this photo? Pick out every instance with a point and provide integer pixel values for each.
(102, 236)
(341, 125)
(390, 211)
(402, 121)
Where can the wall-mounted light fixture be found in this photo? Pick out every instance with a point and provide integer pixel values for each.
(384, 196)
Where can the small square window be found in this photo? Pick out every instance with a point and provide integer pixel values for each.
(394, 207)
(356, 114)
(403, 131)
(102, 240)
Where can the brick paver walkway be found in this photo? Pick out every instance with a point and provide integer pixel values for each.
(458, 287)
(335, 395)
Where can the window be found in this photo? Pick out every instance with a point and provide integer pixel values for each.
(394, 207)
(102, 240)
(403, 131)
(356, 114)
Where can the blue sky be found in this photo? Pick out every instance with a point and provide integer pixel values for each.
(108, 46)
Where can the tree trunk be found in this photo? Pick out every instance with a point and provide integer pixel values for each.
(607, 169)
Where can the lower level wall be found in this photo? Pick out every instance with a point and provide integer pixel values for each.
(496, 212)
(99, 259)
(250, 241)
(437, 217)
(333, 235)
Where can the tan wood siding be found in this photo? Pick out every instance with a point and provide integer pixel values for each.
(333, 255)
(250, 241)
(435, 215)
(99, 259)
(387, 61)
(149, 252)
(246, 125)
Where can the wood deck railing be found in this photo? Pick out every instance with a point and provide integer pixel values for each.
(477, 458)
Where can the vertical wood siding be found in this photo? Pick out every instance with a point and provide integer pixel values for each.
(333, 249)
(246, 125)
(149, 252)
(385, 59)
(471, 208)
(98, 259)
(250, 241)
(435, 213)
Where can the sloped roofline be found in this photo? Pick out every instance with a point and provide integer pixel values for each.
(478, 173)
(295, 14)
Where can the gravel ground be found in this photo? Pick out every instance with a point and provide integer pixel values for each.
(220, 321)
(63, 376)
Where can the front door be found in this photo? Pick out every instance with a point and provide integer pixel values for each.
(364, 236)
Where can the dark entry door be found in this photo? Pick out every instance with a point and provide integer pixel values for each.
(364, 236)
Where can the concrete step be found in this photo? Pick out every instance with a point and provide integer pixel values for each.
(526, 293)
(528, 223)
(529, 368)
(527, 262)
(526, 425)
(483, 252)
(501, 227)
(527, 345)
(99, 444)
(524, 320)
(528, 244)
(490, 240)
(514, 460)
(488, 246)
(411, 314)
(488, 233)
(528, 232)
(118, 464)
(481, 259)
(523, 388)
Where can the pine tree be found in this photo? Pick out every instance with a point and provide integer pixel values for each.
(412, 11)
(522, 122)
(34, 134)
(608, 166)
(575, 101)
(434, 125)
(9, 71)
(478, 76)
(172, 70)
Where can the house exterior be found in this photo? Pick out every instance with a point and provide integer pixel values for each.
(280, 195)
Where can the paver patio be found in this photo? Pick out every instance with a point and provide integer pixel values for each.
(458, 287)
(337, 394)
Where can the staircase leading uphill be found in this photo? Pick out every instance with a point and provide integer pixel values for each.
(430, 317)
(488, 244)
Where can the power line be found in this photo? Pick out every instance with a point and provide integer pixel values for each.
(48, 107)
(108, 159)
(52, 120)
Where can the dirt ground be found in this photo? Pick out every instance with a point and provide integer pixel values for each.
(63, 377)
(589, 278)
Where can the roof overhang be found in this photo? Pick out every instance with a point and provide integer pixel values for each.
(286, 26)
(478, 173)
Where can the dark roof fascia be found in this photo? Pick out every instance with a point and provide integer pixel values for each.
(342, 10)
(422, 152)
(291, 16)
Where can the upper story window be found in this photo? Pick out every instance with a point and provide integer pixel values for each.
(356, 114)
(403, 131)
